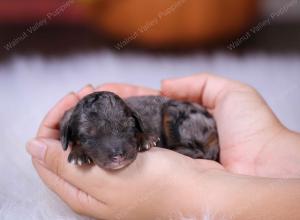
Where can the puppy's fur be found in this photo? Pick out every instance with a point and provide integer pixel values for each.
(110, 131)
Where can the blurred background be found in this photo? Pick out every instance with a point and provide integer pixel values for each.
(51, 47)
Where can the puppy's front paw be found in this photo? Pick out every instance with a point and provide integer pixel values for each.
(78, 157)
(149, 142)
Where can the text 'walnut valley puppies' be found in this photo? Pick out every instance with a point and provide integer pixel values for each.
(104, 129)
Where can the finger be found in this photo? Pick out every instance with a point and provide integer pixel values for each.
(85, 178)
(88, 89)
(50, 124)
(126, 90)
(205, 89)
(77, 199)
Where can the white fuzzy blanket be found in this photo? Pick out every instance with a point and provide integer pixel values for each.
(29, 86)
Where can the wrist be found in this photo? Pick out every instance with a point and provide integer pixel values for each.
(218, 194)
(198, 195)
(260, 198)
(280, 157)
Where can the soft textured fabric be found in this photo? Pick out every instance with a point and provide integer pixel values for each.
(31, 85)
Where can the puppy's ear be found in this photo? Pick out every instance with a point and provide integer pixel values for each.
(65, 129)
(138, 122)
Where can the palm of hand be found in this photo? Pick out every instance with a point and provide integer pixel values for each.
(246, 125)
(246, 128)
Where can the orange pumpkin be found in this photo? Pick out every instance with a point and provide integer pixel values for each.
(172, 23)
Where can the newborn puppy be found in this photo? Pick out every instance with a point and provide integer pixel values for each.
(104, 129)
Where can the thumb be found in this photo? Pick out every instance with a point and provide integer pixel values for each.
(204, 89)
(76, 199)
(43, 151)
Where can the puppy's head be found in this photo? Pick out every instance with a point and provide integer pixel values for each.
(106, 129)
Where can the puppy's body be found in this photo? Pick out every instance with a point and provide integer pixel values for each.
(149, 109)
(110, 131)
(181, 126)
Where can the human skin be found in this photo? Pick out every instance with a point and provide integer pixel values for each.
(252, 139)
(161, 181)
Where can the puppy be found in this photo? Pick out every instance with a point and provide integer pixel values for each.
(104, 129)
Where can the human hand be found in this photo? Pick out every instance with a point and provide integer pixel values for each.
(148, 188)
(252, 139)
(154, 185)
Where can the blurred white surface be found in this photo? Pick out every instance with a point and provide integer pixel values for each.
(30, 86)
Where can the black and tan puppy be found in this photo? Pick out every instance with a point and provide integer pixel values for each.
(104, 129)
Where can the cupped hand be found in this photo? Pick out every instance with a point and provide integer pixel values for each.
(252, 139)
(158, 182)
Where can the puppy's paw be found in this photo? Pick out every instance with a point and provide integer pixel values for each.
(78, 157)
(148, 143)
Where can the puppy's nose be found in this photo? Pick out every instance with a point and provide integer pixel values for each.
(118, 156)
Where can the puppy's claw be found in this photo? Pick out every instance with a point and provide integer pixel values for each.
(78, 157)
(89, 161)
(151, 141)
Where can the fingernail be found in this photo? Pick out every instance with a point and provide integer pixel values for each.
(172, 79)
(87, 86)
(36, 149)
(164, 87)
